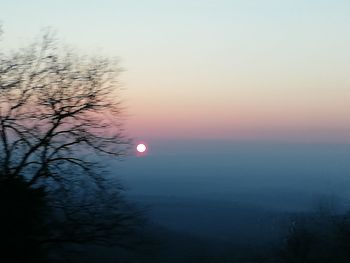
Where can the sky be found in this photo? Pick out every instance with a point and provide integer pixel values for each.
(273, 70)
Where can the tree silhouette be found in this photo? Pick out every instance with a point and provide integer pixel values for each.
(59, 114)
(55, 108)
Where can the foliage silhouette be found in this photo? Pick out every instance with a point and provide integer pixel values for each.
(60, 118)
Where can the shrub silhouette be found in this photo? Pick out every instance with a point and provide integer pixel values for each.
(22, 225)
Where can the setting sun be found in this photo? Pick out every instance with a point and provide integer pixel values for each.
(141, 148)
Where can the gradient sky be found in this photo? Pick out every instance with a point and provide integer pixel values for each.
(240, 70)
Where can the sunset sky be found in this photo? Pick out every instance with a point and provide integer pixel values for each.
(237, 70)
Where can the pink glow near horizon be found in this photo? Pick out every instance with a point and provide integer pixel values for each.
(282, 123)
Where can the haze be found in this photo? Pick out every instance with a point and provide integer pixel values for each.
(243, 106)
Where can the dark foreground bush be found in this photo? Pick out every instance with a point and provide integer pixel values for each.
(22, 227)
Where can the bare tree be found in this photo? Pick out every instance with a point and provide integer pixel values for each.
(55, 107)
(59, 113)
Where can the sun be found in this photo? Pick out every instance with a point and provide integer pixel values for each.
(141, 148)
